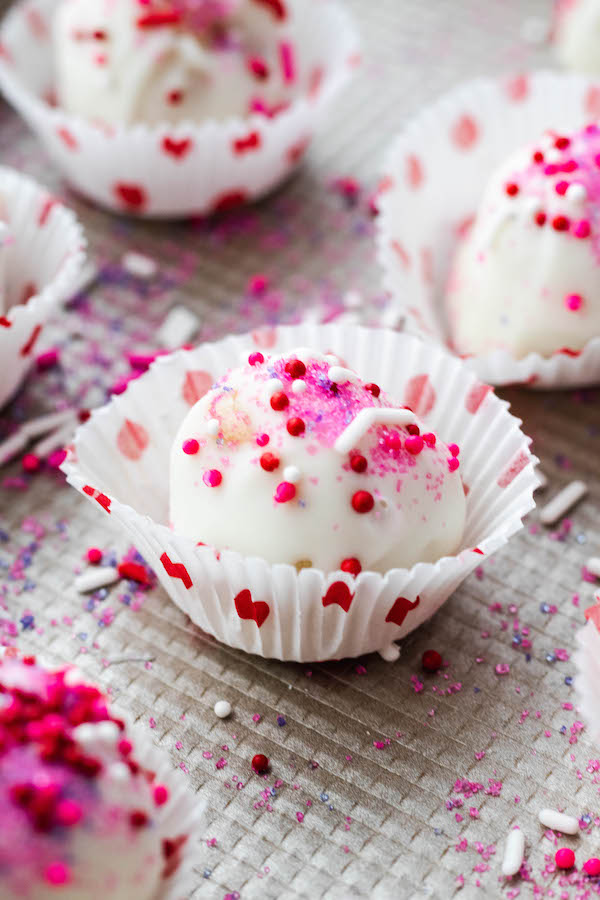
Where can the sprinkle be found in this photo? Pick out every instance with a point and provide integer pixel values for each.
(295, 368)
(257, 285)
(262, 440)
(299, 387)
(564, 858)
(213, 427)
(563, 502)
(582, 229)
(373, 389)
(93, 579)
(362, 502)
(365, 419)
(414, 444)
(502, 669)
(269, 462)
(351, 565)
(94, 556)
(292, 474)
(512, 189)
(453, 464)
(260, 763)
(133, 571)
(31, 463)
(57, 873)
(295, 426)
(592, 866)
(340, 375)
(47, 360)
(284, 492)
(558, 821)
(190, 446)
(281, 721)
(431, 660)
(514, 852)
(540, 218)
(576, 193)
(358, 463)
(222, 709)
(212, 478)
(139, 265)
(286, 58)
(573, 302)
(560, 223)
(179, 327)
(256, 359)
(161, 794)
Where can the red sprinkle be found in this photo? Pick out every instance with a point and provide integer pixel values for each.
(191, 446)
(538, 156)
(512, 189)
(540, 218)
(414, 444)
(351, 565)
(94, 555)
(258, 67)
(358, 463)
(564, 858)
(31, 462)
(431, 660)
(429, 439)
(561, 143)
(362, 502)
(269, 462)
(295, 426)
(279, 401)
(260, 762)
(560, 223)
(373, 389)
(133, 571)
(295, 368)
(138, 818)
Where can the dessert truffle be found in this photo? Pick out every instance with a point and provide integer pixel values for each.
(77, 808)
(577, 35)
(147, 61)
(296, 460)
(526, 277)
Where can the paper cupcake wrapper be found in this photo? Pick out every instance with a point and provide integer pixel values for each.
(587, 682)
(187, 169)
(120, 461)
(434, 179)
(42, 262)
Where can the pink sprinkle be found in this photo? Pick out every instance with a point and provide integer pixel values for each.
(454, 449)
(31, 462)
(300, 816)
(414, 444)
(257, 285)
(573, 302)
(161, 794)
(262, 440)
(582, 229)
(212, 478)
(256, 717)
(592, 867)
(47, 360)
(94, 555)
(284, 491)
(561, 187)
(502, 669)
(56, 458)
(453, 464)
(286, 58)
(57, 873)
(190, 446)
(473, 812)
(255, 359)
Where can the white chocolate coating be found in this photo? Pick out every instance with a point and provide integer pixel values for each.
(116, 64)
(526, 278)
(577, 35)
(294, 498)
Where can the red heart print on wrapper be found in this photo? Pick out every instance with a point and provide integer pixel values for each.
(401, 609)
(176, 148)
(132, 440)
(176, 570)
(246, 608)
(339, 594)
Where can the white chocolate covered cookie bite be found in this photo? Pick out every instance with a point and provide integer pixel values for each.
(144, 61)
(296, 460)
(526, 277)
(78, 810)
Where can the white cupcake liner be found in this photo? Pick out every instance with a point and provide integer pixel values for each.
(587, 681)
(120, 460)
(128, 169)
(436, 173)
(43, 259)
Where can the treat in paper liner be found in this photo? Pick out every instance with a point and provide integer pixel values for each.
(41, 252)
(190, 168)
(120, 461)
(587, 661)
(94, 805)
(435, 176)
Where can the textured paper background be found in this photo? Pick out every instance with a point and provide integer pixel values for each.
(401, 841)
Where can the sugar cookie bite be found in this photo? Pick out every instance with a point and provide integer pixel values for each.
(526, 277)
(150, 61)
(77, 808)
(296, 460)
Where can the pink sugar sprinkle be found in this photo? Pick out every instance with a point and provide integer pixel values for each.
(582, 229)
(47, 360)
(300, 816)
(502, 669)
(257, 285)
(286, 58)
(284, 492)
(573, 302)
(212, 478)
(453, 464)
(57, 873)
(190, 446)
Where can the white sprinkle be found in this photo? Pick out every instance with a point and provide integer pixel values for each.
(562, 503)
(593, 566)
(58, 438)
(514, 852)
(139, 265)
(272, 386)
(292, 474)
(43, 424)
(332, 359)
(212, 427)
(298, 386)
(222, 709)
(85, 734)
(12, 445)
(119, 771)
(179, 326)
(74, 676)
(542, 480)
(553, 155)
(559, 821)
(107, 732)
(339, 375)
(352, 300)
(576, 193)
(390, 653)
(359, 426)
(92, 579)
